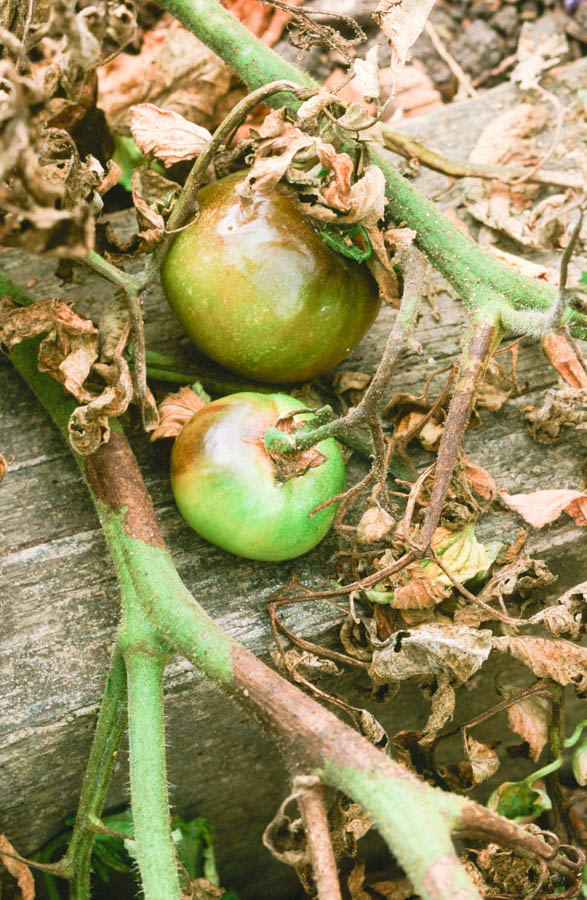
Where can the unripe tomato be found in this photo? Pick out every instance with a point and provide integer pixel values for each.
(258, 290)
(226, 485)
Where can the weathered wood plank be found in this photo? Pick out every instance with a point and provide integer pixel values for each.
(59, 606)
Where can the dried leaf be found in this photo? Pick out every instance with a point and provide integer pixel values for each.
(174, 70)
(530, 718)
(88, 425)
(153, 197)
(166, 134)
(480, 480)
(456, 651)
(443, 705)
(374, 524)
(420, 591)
(70, 347)
(461, 553)
(355, 882)
(402, 23)
(562, 408)
(3, 467)
(539, 48)
(560, 660)
(522, 578)
(367, 74)
(400, 239)
(569, 614)
(484, 761)
(309, 109)
(337, 193)
(541, 507)
(19, 870)
(564, 359)
(175, 411)
(347, 380)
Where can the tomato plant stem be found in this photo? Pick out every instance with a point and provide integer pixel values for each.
(148, 772)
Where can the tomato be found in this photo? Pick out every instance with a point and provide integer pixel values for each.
(226, 485)
(256, 288)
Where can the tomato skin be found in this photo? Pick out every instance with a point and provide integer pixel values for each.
(257, 290)
(224, 482)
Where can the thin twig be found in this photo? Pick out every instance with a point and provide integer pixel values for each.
(312, 806)
(411, 149)
(449, 59)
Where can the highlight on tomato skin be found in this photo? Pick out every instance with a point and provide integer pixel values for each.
(256, 288)
(225, 484)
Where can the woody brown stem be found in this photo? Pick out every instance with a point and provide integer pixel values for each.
(312, 806)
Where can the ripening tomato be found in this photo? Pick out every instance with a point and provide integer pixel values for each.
(258, 290)
(227, 487)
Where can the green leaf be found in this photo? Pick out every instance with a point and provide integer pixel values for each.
(385, 598)
(516, 800)
(194, 848)
(583, 278)
(128, 156)
(110, 852)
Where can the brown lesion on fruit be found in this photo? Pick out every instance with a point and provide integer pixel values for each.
(115, 480)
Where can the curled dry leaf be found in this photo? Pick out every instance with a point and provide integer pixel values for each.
(455, 651)
(367, 74)
(542, 507)
(153, 197)
(309, 109)
(569, 614)
(70, 346)
(402, 23)
(563, 407)
(166, 135)
(541, 45)
(480, 480)
(347, 380)
(530, 718)
(400, 239)
(175, 411)
(564, 359)
(3, 467)
(88, 425)
(374, 524)
(443, 700)
(563, 661)
(173, 70)
(19, 870)
(484, 761)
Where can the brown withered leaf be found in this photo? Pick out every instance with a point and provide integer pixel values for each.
(400, 239)
(418, 591)
(202, 889)
(522, 578)
(70, 346)
(366, 203)
(443, 705)
(554, 658)
(374, 524)
(530, 718)
(429, 434)
(356, 881)
(337, 193)
(564, 359)
(88, 425)
(166, 135)
(307, 664)
(153, 197)
(480, 480)
(367, 74)
(427, 650)
(563, 407)
(267, 23)
(175, 411)
(19, 870)
(569, 614)
(396, 889)
(484, 761)
(402, 23)
(347, 380)
(541, 45)
(173, 70)
(542, 507)
(3, 467)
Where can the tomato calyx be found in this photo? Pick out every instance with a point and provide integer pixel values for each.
(293, 465)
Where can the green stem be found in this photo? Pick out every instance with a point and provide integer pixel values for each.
(148, 775)
(107, 737)
(479, 279)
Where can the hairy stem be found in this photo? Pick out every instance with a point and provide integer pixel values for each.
(148, 772)
(110, 729)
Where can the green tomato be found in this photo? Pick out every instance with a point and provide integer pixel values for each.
(257, 290)
(225, 483)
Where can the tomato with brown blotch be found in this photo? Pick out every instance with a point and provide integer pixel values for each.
(258, 291)
(228, 488)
